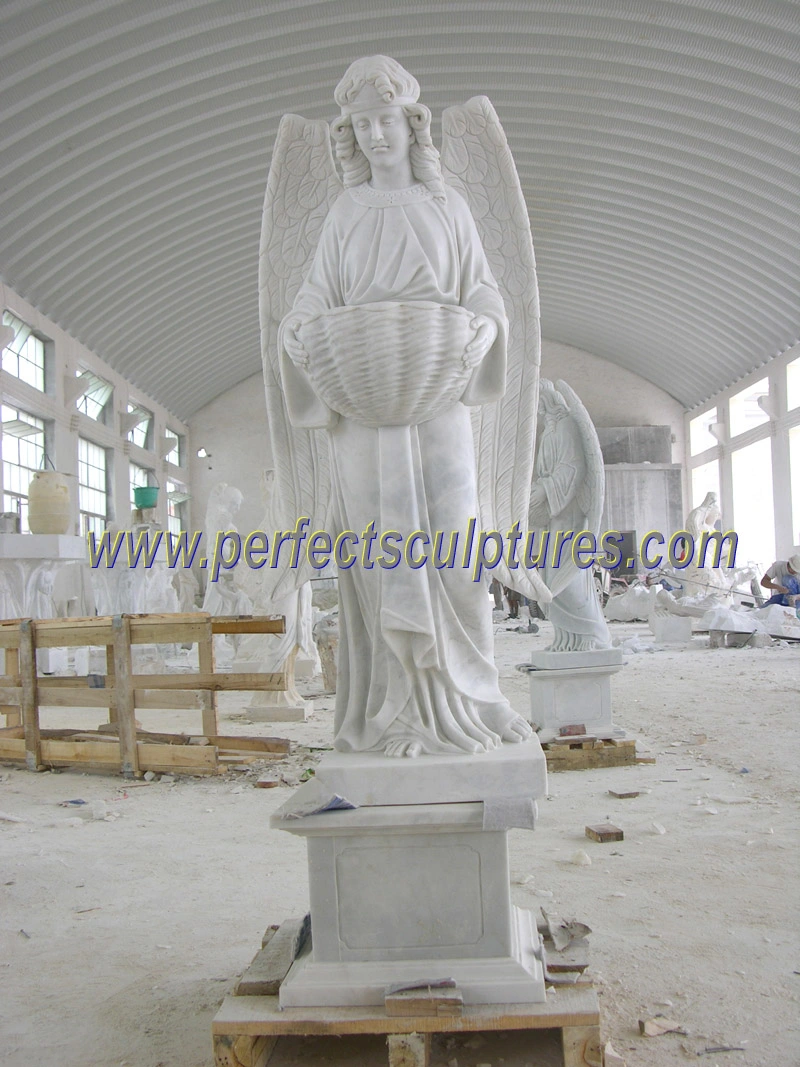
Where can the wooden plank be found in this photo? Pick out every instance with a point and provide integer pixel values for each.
(271, 963)
(73, 696)
(10, 707)
(428, 1001)
(123, 687)
(154, 631)
(67, 633)
(231, 682)
(9, 635)
(12, 748)
(243, 624)
(76, 698)
(252, 744)
(232, 1051)
(575, 957)
(12, 730)
(409, 1050)
(245, 1015)
(165, 759)
(187, 759)
(110, 681)
(28, 707)
(205, 661)
(10, 695)
(581, 1046)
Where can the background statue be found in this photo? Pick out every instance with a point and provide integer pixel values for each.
(225, 596)
(568, 496)
(397, 309)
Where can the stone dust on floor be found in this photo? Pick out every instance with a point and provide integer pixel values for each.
(126, 919)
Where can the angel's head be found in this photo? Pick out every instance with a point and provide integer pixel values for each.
(378, 83)
(551, 402)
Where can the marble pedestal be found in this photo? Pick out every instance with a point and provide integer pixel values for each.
(402, 892)
(572, 689)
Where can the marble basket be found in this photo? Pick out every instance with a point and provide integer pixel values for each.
(389, 364)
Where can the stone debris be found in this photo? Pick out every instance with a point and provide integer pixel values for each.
(581, 859)
(660, 1025)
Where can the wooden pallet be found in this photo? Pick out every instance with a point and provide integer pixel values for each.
(246, 1028)
(584, 753)
(23, 692)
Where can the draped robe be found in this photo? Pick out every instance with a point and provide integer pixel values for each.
(415, 644)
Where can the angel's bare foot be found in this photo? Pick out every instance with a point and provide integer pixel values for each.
(400, 747)
(504, 721)
(517, 730)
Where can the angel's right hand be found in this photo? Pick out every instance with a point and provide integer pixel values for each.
(293, 345)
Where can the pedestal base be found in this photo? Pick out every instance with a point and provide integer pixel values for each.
(573, 689)
(408, 891)
(516, 978)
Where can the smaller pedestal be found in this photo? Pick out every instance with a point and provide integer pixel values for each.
(573, 689)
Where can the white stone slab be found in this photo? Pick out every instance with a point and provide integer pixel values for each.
(42, 546)
(513, 978)
(370, 778)
(671, 629)
(558, 661)
(573, 696)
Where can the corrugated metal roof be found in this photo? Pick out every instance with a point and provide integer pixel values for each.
(657, 144)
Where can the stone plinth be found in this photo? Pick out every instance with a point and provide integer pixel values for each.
(404, 891)
(572, 689)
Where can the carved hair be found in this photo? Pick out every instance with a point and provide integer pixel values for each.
(551, 402)
(391, 82)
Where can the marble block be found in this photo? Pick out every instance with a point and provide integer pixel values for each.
(369, 778)
(671, 629)
(572, 689)
(409, 892)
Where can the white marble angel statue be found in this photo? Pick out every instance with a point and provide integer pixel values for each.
(567, 497)
(389, 308)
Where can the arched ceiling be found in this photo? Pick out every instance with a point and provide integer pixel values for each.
(656, 140)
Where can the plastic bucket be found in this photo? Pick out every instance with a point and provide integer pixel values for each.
(145, 496)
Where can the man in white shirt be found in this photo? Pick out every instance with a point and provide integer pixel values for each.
(783, 578)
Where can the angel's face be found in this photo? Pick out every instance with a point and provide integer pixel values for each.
(383, 135)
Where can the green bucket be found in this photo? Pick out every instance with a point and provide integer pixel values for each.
(145, 496)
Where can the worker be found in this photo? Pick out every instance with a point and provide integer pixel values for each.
(783, 577)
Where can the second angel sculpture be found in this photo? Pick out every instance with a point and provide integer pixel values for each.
(401, 347)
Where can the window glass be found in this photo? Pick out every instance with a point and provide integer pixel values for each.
(794, 460)
(24, 355)
(140, 433)
(23, 455)
(705, 479)
(176, 506)
(793, 384)
(745, 410)
(92, 486)
(753, 517)
(700, 436)
(175, 455)
(94, 401)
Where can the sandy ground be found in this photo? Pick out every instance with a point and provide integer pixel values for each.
(123, 922)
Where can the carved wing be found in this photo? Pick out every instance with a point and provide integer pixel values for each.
(301, 187)
(477, 162)
(592, 493)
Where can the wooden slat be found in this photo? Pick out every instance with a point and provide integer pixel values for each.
(9, 635)
(96, 633)
(76, 698)
(272, 962)
(231, 682)
(9, 706)
(205, 662)
(123, 686)
(165, 759)
(145, 632)
(243, 624)
(29, 709)
(566, 1007)
(10, 694)
(252, 744)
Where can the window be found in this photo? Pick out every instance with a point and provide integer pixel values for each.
(700, 435)
(24, 355)
(745, 410)
(23, 455)
(92, 486)
(139, 478)
(95, 399)
(794, 461)
(176, 507)
(705, 479)
(175, 454)
(753, 515)
(140, 434)
(793, 385)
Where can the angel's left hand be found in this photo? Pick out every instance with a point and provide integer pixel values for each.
(485, 336)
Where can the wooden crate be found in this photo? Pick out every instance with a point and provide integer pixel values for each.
(246, 1028)
(23, 692)
(588, 753)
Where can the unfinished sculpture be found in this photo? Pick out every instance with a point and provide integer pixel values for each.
(567, 497)
(273, 653)
(407, 314)
(381, 340)
(224, 596)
